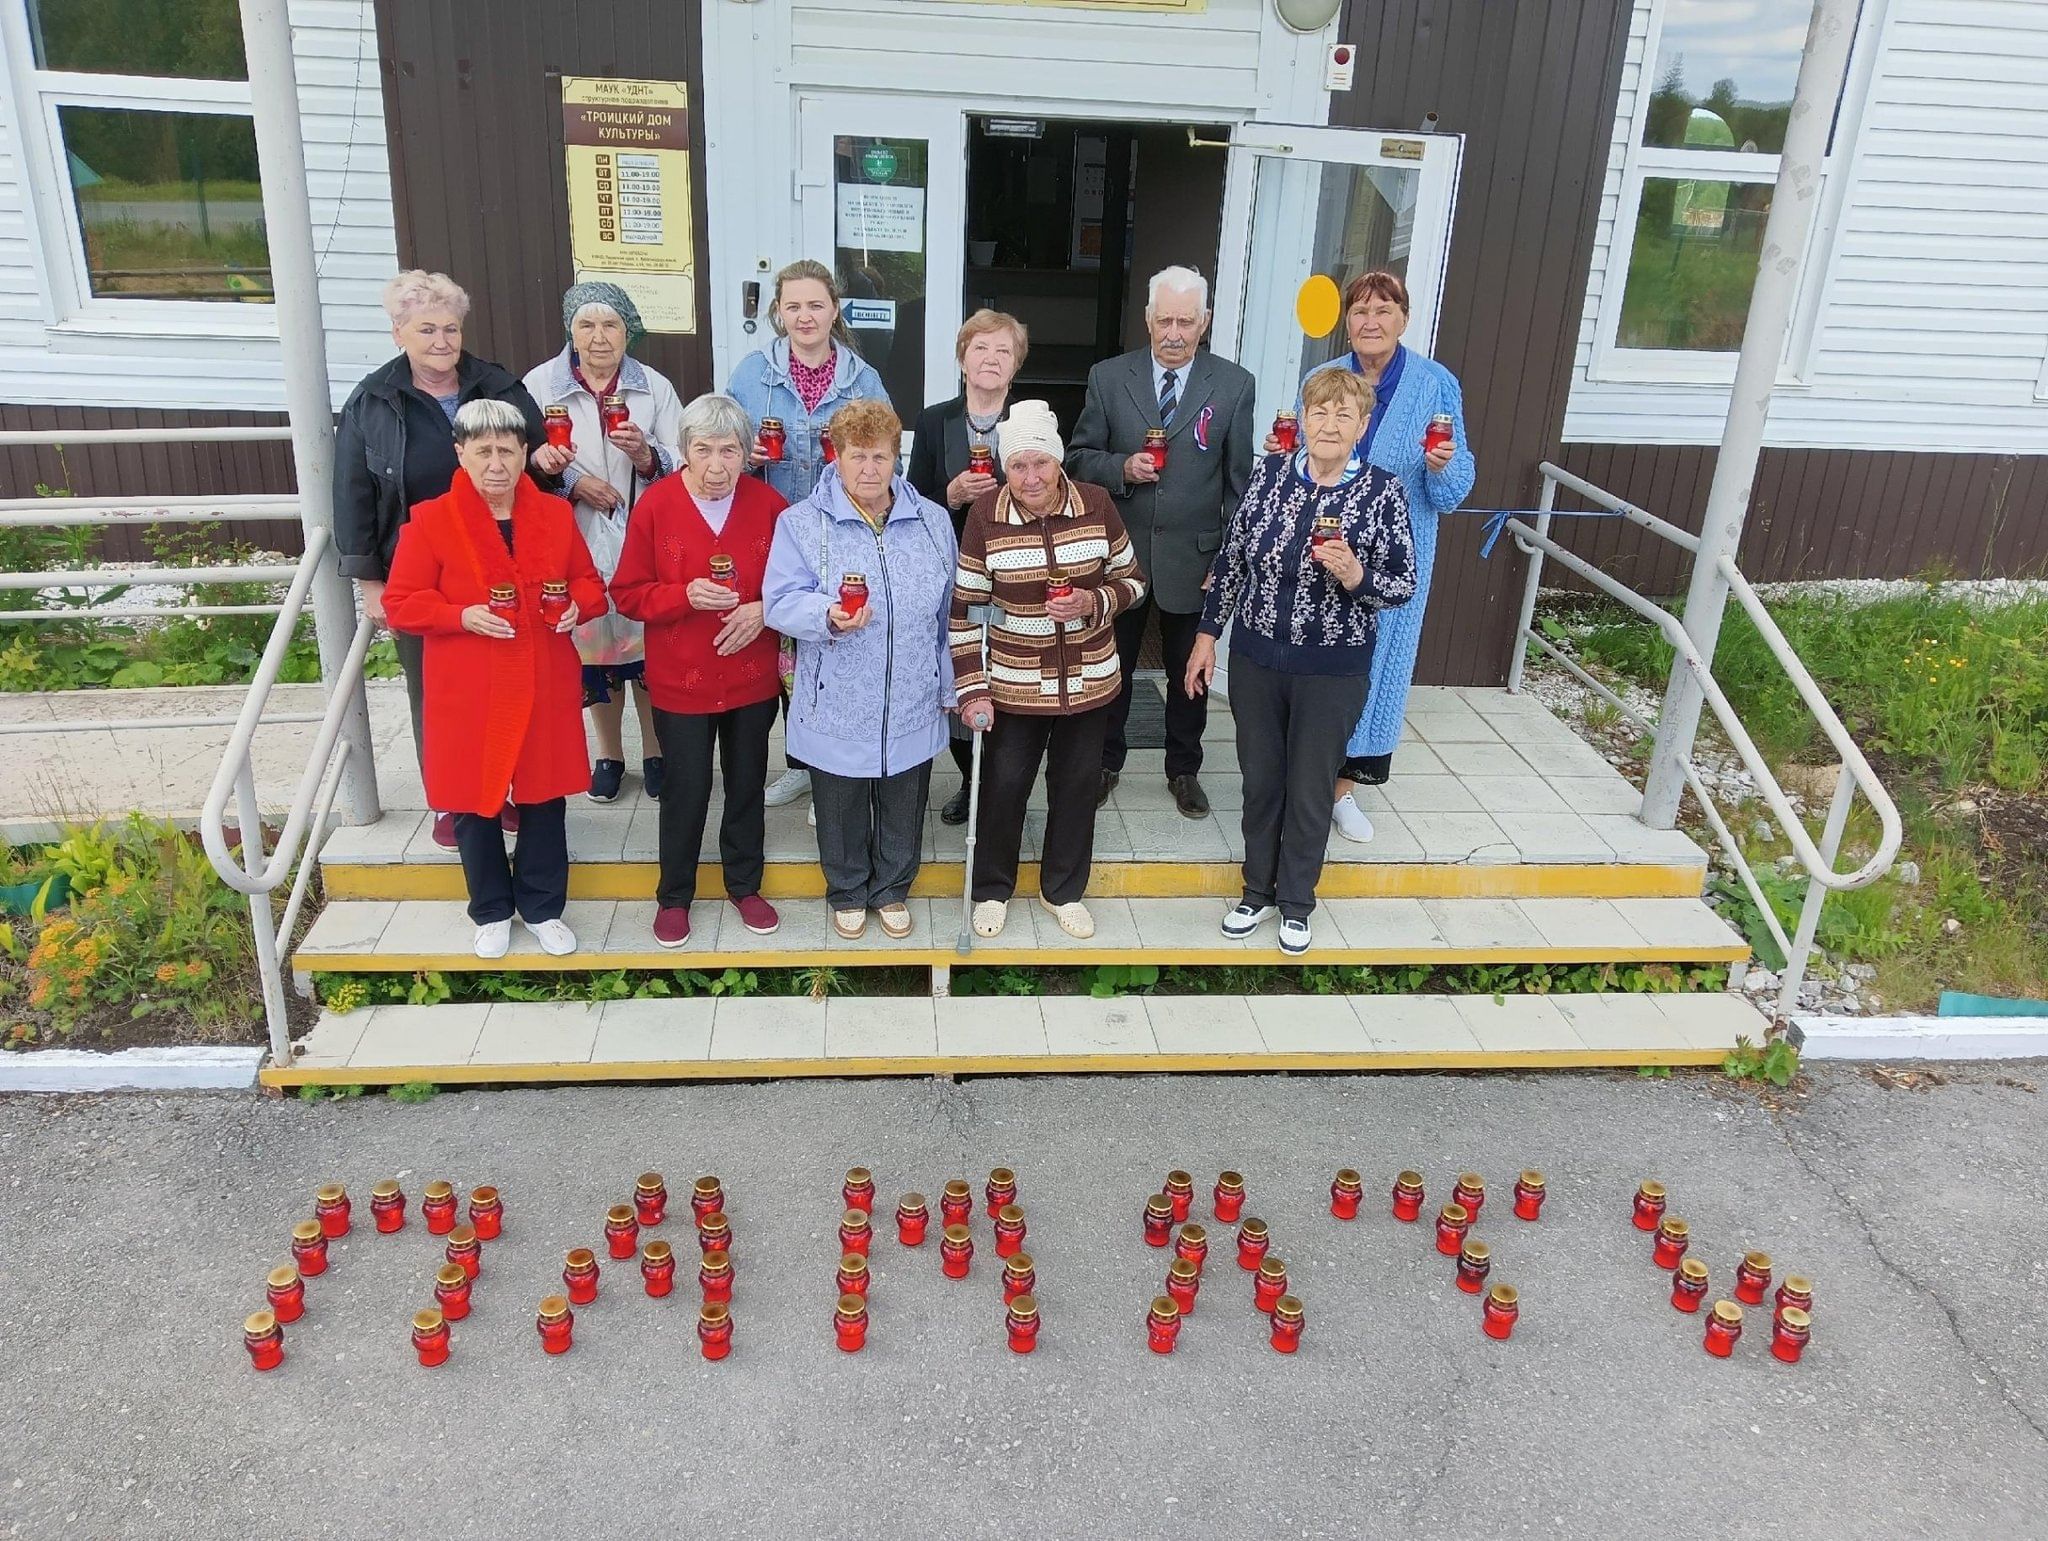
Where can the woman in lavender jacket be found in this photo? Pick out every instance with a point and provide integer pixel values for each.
(873, 685)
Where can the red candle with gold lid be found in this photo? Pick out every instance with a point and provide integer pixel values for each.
(1179, 1187)
(1753, 1278)
(1724, 1327)
(853, 593)
(1058, 585)
(852, 1278)
(1529, 1195)
(1689, 1285)
(714, 1272)
(612, 411)
(858, 1190)
(621, 1232)
(387, 1206)
(1346, 1190)
(1790, 1334)
(554, 602)
(309, 1248)
(286, 1292)
(774, 438)
(855, 1234)
(1438, 435)
(1192, 1243)
(555, 423)
(1253, 1239)
(264, 1340)
(1020, 1323)
(1020, 1276)
(556, 1323)
(981, 458)
(850, 1323)
(331, 1209)
(956, 1202)
(658, 1268)
(1286, 431)
(723, 573)
(1503, 1306)
(430, 1337)
(1183, 1282)
(579, 1275)
(1155, 447)
(714, 1232)
(1162, 1324)
(486, 1213)
(1000, 1190)
(1158, 1220)
(826, 447)
(1009, 1230)
(1270, 1285)
(956, 1251)
(1475, 1262)
(1649, 1205)
(437, 1208)
(707, 1197)
(465, 1251)
(1673, 1237)
(1408, 1196)
(1452, 1222)
(911, 1220)
(650, 1199)
(1797, 1290)
(1471, 1192)
(1228, 1197)
(504, 601)
(1288, 1320)
(451, 1291)
(714, 1329)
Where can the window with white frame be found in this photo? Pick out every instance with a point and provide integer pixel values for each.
(142, 109)
(1697, 187)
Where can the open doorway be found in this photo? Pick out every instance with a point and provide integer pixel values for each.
(1067, 219)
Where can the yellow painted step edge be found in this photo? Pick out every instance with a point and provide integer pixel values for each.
(1110, 880)
(930, 1065)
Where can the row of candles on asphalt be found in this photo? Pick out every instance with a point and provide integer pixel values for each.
(1791, 1307)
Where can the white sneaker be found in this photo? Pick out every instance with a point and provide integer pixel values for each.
(1350, 820)
(1294, 937)
(494, 940)
(990, 916)
(555, 938)
(787, 788)
(1242, 921)
(1074, 918)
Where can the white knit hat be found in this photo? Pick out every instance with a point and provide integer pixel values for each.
(1031, 425)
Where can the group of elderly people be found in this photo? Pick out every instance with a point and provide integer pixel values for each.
(543, 548)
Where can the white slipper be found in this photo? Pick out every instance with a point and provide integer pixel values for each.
(1074, 918)
(1350, 820)
(990, 916)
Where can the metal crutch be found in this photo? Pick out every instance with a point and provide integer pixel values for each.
(982, 614)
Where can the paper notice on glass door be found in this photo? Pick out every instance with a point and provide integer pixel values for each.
(880, 218)
(627, 148)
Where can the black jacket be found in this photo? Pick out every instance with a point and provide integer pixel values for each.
(374, 487)
(938, 453)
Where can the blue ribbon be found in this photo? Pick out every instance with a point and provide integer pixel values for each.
(1497, 519)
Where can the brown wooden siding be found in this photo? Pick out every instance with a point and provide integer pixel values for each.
(473, 108)
(1532, 88)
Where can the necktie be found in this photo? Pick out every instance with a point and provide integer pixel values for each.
(1169, 398)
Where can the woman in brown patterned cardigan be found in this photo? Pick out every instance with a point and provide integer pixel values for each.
(1053, 560)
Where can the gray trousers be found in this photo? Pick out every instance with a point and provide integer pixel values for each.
(871, 835)
(1291, 731)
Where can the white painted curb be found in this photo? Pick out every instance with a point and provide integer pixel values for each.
(1924, 1037)
(153, 1070)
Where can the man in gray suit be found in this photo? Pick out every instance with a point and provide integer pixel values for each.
(1176, 517)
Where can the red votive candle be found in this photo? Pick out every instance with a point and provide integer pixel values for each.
(658, 1268)
(309, 1248)
(486, 1213)
(430, 1337)
(1438, 434)
(451, 1291)
(554, 422)
(286, 1292)
(855, 1234)
(1790, 1334)
(1269, 1286)
(826, 448)
(1179, 1189)
(554, 602)
(1058, 585)
(1009, 1231)
(1452, 1222)
(773, 438)
(614, 414)
(1673, 1237)
(911, 1219)
(1649, 1206)
(556, 1323)
(1497, 1316)
(1183, 1283)
(1158, 1220)
(1252, 1241)
(1155, 447)
(714, 1329)
(1797, 1290)
(852, 1277)
(956, 1202)
(465, 1251)
(956, 1251)
(858, 1190)
(1192, 1243)
(579, 1275)
(437, 1208)
(264, 1339)
(1286, 432)
(1228, 1197)
(850, 1323)
(1689, 1285)
(1529, 1195)
(723, 573)
(1021, 1323)
(1475, 1262)
(504, 601)
(853, 593)
(1408, 1196)
(1471, 1192)
(331, 1208)
(650, 1199)
(1288, 1321)
(1000, 1190)
(714, 1232)
(387, 1206)
(1724, 1326)
(621, 1232)
(1020, 1276)
(1162, 1324)
(1753, 1278)
(1346, 1189)
(707, 1197)
(981, 458)
(714, 1272)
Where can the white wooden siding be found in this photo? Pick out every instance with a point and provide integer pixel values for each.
(1934, 320)
(349, 179)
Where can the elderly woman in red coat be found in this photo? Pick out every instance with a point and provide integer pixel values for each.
(504, 691)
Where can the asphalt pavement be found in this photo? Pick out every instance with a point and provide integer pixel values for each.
(136, 1231)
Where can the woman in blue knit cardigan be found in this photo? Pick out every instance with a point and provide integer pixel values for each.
(1408, 391)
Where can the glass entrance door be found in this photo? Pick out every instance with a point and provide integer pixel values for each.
(1334, 201)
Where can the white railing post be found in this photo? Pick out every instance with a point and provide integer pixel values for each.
(295, 280)
(269, 975)
(1793, 202)
(1816, 894)
(1544, 505)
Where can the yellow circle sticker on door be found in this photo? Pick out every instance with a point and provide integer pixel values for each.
(1318, 305)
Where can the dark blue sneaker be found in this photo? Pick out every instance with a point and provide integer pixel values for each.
(653, 772)
(606, 777)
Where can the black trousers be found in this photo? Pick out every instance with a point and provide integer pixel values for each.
(412, 658)
(687, 740)
(534, 882)
(787, 758)
(1291, 730)
(870, 835)
(1071, 748)
(1185, 715)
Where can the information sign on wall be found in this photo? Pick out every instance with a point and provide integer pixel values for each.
(627, 147)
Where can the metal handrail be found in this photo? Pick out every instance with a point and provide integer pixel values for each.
(1818, 860)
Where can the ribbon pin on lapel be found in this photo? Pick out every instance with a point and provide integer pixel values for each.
(1202, 422)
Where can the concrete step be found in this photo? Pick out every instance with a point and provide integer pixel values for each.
(763, 1038)
(385, 935)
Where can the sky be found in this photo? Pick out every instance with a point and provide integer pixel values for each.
(1755, 42)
